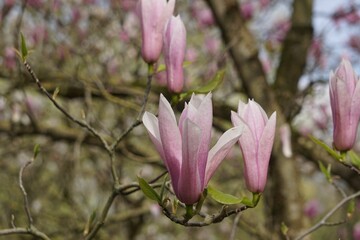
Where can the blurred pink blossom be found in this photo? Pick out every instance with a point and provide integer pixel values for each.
(155, 210)
(323, 118)
(128, 5)
(247, 10)
(112, 66)
(130, 26)
(124, 36)
(312, 208)
(35, 3)
(88, 1)
(9, 2)
(280, 29)
(266, 64)
(9, 58)
(39, 34)
(160, 78)
(264, 4)
(202, 14)
(56, 5)
(62, 52)
(75, 15)
(350, 15)
(191, 54)
(356, 231)
(212, 45)
(34, 105)
(316, 51)
(354, 42)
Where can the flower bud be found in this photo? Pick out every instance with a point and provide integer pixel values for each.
(256, 143)
(153, 16)
(174, 52)
(345, 101)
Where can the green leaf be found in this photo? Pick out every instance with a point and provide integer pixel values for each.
(89, 223)
(351, 208)
(331, 151)
(24, 51)
(210, 86)
(201, 200)
(223, 198)
(162, 190)
(213, 83)
(148, 190)
(284, 229)
(355, 159)
(36, 150)
(162, 67)
(326, 171)
(56, 92)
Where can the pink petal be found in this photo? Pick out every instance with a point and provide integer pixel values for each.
(151, 124)
(256, 118)
(241, 108)
(170, 138)
(220, 150)
(189, 185)
(200, 112)
(265, 148)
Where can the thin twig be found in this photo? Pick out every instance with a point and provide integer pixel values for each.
(323, 222)
(138, 118)
(137, 121)
(339, 189)
(62, 110)
(28, 231)
(234, 227)
(209, 219)
(26, 201)
(103, 216)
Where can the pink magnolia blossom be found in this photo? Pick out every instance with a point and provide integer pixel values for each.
(202, 14)
(184, 147)
(191, 54)
(356, 231)
(212, 45)
(312, 208)
(9, 58)
(256, 142)
(345, 102)
(35, 3)
(174, 53)
(247, 10)
(153, 16)
(354, 42)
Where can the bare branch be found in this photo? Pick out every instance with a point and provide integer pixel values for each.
(26, 201)
(62, 110)
(323, 221)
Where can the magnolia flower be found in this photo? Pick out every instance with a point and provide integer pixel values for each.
(256, 142)
(345, 102)
(174, 53)
(153, 15)
(356, 231)
(184, 147)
